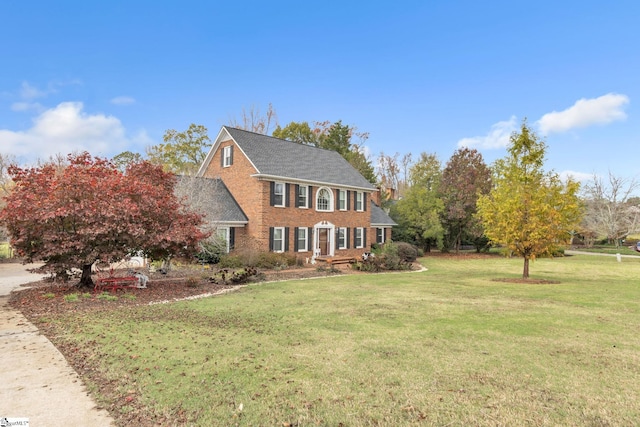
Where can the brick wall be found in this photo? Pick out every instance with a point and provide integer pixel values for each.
(308, 217)
(246, 190)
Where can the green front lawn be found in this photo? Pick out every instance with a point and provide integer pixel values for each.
(448, 346)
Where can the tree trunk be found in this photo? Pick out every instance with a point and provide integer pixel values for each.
(85, 279)
(525, 270)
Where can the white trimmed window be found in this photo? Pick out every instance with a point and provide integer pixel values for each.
(342, 238)
(359, 201)
(223, 235)
(278, 194)
(227, 156)
(324, 200)
(380, 235)
(303, 196)
(303, 239)
(278, 239)
(342, 200)
(358, 237)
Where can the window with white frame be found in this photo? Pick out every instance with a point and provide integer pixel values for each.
(359, 201)
(324, 200)
(380, 235)
(278, 194)
(342, 238)
(342, 200)
(278, 239)
(303, 239)
(227, 156)
(303, 196)
(358, 237)
(223, 237)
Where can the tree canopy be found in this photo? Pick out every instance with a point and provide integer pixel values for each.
(464, 178)
(299, 132)
(182, 152)
(612, 212)
(88, 211)
(528, 211)
(418, 212)
(335, 137)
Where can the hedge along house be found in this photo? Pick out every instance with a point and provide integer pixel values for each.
(295, 198)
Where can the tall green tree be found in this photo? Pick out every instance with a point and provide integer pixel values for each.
(418, 212)
(336, 137)
(359, 160)
(464, 178)
(182, 152)
(529, 211)
(126, 158)
(299, 132)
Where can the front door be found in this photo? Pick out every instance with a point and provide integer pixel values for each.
(323, 241)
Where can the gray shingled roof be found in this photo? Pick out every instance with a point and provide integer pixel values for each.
(379, 217)
(286, 159)
(211, 197)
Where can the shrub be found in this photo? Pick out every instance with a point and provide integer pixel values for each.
(271, 260)
(371, 264)
(406, 251)
(388, 259)
(231, 261)
(211, 251)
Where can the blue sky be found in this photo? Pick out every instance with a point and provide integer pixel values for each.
(418, 76)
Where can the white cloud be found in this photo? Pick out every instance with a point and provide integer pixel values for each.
(575, 176)
(585, 112)
(64, 129)
(123, 100)
(498, 136)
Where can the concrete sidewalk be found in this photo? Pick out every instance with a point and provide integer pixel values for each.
(37, 382)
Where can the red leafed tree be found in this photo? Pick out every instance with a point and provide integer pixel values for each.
(90, 211)
(464, 179)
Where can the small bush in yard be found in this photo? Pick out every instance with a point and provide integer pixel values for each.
(406, 251)
(272, 260)
(211, 251)
(388, 259)
(231, 261)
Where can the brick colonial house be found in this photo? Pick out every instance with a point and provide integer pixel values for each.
(283, 196)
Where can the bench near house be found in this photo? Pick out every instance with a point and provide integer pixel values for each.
(283, 196)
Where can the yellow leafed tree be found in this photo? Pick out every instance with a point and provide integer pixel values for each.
(528, 211)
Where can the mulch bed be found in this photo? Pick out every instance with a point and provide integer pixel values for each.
(46, 298)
